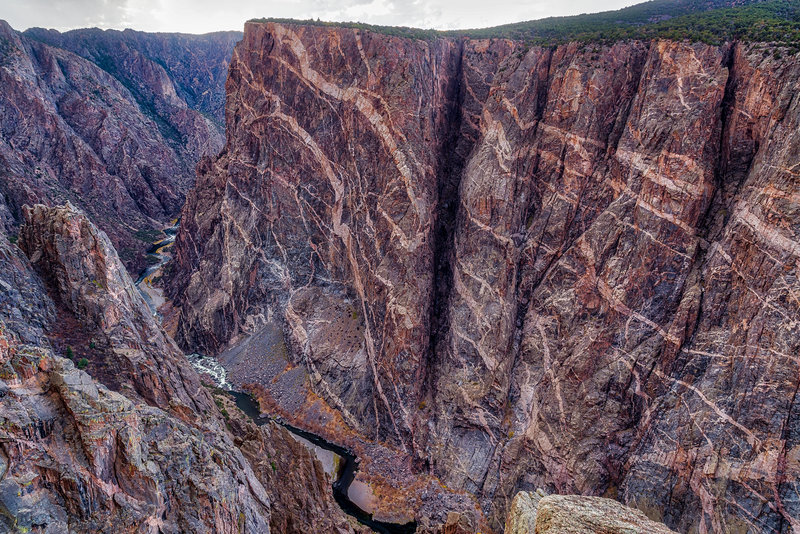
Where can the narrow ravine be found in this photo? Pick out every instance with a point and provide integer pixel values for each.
(342, 479)
(348, 466)
(158, 256)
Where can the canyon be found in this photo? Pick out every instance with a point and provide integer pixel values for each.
(488, 267)
(113, 122)
(516, 288)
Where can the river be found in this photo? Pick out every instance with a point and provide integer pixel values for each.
(158, 255)
(348, 462)
(348, 466)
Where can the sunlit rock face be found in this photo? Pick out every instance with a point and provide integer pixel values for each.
(574, 514)
(572, 268)
(114, 122)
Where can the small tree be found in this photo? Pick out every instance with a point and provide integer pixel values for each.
(70, 353)
(82, 363)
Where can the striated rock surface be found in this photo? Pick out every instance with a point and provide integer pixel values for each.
(571, 514)
(118, 133)
(572, 268)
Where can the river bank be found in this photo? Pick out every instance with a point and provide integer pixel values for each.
(345, 462)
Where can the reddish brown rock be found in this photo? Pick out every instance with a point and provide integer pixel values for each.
(79, 457)
(76, 456)
(516, 267)
(125, 347)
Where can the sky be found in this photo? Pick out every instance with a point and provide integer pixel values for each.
(201, 16)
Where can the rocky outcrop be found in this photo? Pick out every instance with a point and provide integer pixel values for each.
(569, 268)
(77, 457)
(125, 347)
(118, 133)
(164, 453)
(571, 514)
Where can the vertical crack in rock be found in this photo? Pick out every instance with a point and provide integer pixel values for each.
(453, 150)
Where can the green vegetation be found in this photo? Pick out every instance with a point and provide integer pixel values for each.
(70, 353)
(148, 235)
(83, 363)
(221, 406)
(712, 22)
(13, 239)
(92, 345)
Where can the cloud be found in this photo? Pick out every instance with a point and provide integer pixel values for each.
(64, 13)
(199, 16)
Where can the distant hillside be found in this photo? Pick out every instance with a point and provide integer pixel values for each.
(709, 21)
(114, 122)
(197, 65)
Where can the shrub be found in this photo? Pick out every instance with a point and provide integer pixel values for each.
(83, 363)
(70, 353)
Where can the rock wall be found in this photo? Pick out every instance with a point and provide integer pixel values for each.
(572, 268)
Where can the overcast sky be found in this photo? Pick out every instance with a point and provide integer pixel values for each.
(200, 16)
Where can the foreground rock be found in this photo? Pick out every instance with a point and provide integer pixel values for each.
(117, 132)
(533, 513)
(163, 453)
(126, 349)
(79, 457)
(571, 268)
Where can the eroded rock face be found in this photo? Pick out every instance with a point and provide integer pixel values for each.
(566, 268)
(78, 457)
(118, 133)
(25, 306)
(119, 336)
(534, 513)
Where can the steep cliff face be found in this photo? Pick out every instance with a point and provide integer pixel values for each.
(117, 134)
(572, 268)
(366, 227)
